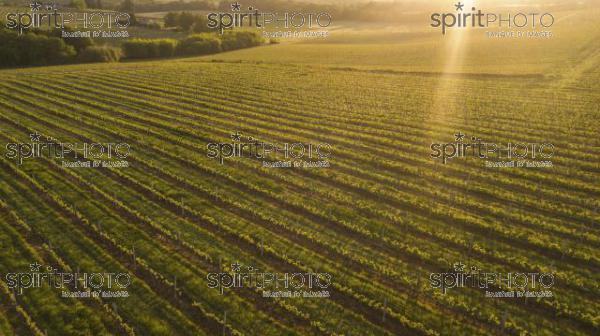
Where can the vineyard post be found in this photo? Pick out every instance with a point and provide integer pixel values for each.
(468, 179)
(224, 322)
(133, 254)
(337, 327)
(469, 250)
(442, 322)
(175, 286)
(417, 287)
(385, 301)
(382, 231)
(220, 271)
(262, 246)
(503, 322)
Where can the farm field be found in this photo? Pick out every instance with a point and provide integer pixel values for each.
(380, 220)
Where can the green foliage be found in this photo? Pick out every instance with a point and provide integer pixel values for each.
(154, 25)
(195, 44)
(187, 21)
(232, 40)
(199, 44)
(149, 48)
(171, 19)
(99, 54)
(79, 4)
(166, 47)
(94, 4)
(175, 5)
(32, 49)
(128, 6)
(79, 43)
(200, 24)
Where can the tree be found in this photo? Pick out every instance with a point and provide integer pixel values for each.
(171, 19)
(79, 43)
(33, 49)
(127, 6)
(79, 4)
(186, 20)
(200, 25)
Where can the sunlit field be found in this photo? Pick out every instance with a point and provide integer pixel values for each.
(380, 220)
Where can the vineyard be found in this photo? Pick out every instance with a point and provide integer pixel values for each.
(380, 220)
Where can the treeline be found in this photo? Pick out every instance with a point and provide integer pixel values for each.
(46, 47)
(369, 11)
(40, 48)
(193, 45)
(33, 49)
(187, 21)
(175, 6)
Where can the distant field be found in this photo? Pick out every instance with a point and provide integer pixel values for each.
(410, 48)
(380, 220)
